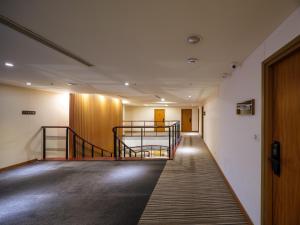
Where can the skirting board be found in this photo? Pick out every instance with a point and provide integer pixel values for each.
(231, 189)
(17, 165)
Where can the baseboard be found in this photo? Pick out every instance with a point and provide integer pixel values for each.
(17, 165)
(231, 189)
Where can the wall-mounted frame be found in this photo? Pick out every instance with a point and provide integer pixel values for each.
(246, 108)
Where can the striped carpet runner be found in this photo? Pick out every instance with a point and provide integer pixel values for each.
(191, 190)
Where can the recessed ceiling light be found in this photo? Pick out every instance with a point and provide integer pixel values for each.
(194, 39)
(9, 64)
(189, 96)
(192, 60)
(166, 105)
(28, 83)
(71, 84)
(126, 83)
(162, 99)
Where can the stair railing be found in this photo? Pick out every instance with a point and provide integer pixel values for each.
(173, 134)
(73, 138)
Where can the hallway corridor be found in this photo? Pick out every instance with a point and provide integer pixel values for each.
(191, 190)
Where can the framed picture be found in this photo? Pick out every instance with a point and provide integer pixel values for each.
(246, 108)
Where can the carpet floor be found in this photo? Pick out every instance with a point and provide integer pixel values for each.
(191, 190)
(77, 193)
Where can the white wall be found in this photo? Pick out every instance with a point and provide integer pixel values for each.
(20, 135)
(147, 113)
(231, 138)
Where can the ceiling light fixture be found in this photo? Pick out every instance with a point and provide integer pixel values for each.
(71, 84)
(162, 99)
(126, 83)
(9, 64)
(28, 83)
(124, 101)
(189, 96)
(192, 60)
(166, 105)
(194, 39)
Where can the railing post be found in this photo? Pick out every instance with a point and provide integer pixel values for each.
(82, 154)
(44, 143)
(115, 144)
(175, 134)
(74, 146)
(67, 143)
(141, 143)
(144, 128)
(169, 143)
(119, 148)
(124, 149)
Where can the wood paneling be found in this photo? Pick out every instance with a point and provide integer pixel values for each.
(93, 117)
(279, 120)
(186, 120)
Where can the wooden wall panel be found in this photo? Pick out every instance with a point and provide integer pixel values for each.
(93, 117)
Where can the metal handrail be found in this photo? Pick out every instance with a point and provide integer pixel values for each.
(173, 137)
(76, 135)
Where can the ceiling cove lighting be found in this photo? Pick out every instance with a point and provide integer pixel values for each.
(9, 64)
(28, 83)
(126, 83)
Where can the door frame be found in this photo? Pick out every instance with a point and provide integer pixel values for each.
(267, 105)
(202, 121)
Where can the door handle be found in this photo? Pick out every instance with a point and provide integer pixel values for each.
(190, 120)
(275, 157)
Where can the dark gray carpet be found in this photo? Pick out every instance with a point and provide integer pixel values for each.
(77, 193)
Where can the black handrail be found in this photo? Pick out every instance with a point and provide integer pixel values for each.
(173, 131)
(75, 137)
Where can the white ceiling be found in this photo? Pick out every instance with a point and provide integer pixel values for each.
(142, 42)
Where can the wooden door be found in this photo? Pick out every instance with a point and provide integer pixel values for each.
(286, 130)
(186, 120)
(159, 118)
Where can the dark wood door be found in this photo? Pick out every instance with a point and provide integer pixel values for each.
(159, 118)
(186, 120)
(286, 130)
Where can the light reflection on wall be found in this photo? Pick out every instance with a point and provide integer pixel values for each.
(62, 101)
